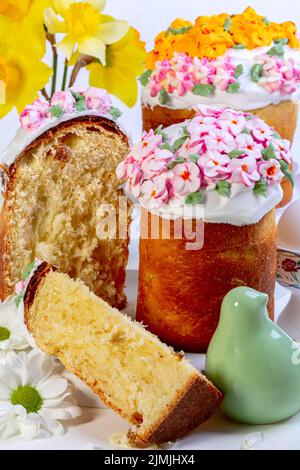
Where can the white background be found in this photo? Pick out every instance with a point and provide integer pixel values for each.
(152, 16)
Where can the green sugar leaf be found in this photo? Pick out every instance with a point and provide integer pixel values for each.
(223, 188)
(250, 117)
(269, 152)
(256, 72)
(234, 88)
(77, 95)
(80, 105)
(115, 112)
(266, 21)
(25, 274)
(276, 136)
(159, 131)
(239, 70)
(227, 24)
(175, 32)
(276, 51)
(287, 171)
(245, 131)
(195, 198)
(194, 158)
(145, 77)
(163, 97)
(176, 162)
(283, 41)
(203, 90)
(179, 142)
(166, 146)
(239, 46)
(235, 153)
(261, 188)
(56, 111)
(19, 299)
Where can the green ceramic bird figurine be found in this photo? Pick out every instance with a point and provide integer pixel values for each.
(253, 362)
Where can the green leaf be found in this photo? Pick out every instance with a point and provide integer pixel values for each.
(27, 271)
(235, 153)
(266, 21)
(80, 105)
(115, 112)
(145, 77)
(239, 46)
(195, 198)
(234, 88)
(223, 188)
(56, 111)
(176, 162)
(183, 30)
(227, 24)
(287, 171)
(194, 158)
(239, 70)
(269, 152)
(163, 97)
(261, 188)
(166, 146)
(245, 131)
(179, 142)
(283, 41)
(276, 51)
(256, 72)
(203, 90)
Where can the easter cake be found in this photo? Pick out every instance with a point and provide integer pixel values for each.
(243, 61)
(58, 172)
(208, 188)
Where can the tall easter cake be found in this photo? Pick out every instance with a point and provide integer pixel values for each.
(224, 168)
(58, 172)
(240, 61)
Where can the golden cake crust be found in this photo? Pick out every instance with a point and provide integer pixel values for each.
(195, 404)
(181, 291)
(11, 176)
(283, 117)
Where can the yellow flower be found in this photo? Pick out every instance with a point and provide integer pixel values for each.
(125, 61)
(83, 27)
(21, 79)
(22, 25)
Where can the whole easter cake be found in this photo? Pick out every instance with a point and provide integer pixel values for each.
(160, 393)
(58, 171)
(224, 168)
(242, 61)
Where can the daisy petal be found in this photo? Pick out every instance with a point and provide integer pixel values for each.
(53, 387)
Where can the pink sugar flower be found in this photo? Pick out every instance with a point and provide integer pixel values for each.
(246, 143)
(98, 99)
(283, 149)
(19, 287)
(64, 99)
(201, 125)
(221, 141)
(186, 178)
(232, 122)
(261, 131)
(214, 165)
(156, 163)
(34, 115)
(155, 192)
(244, 171)
(149, 143)
(271, 171)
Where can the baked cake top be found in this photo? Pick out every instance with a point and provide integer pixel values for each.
(220, 56)
(230, 161)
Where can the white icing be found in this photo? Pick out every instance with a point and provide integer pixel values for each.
(24, 137)
(251, 96)
(243, 207)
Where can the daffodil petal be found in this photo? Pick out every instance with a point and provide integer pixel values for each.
(66, 45)
(93, 47)
(113, 31)
(62, 5)
(53, 23)
(98, 4)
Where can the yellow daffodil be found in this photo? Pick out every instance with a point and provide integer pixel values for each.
(22, 25)
(83, 27)
(20, 79)
(124, 62)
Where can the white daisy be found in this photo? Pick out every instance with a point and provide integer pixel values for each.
(13, 334)
(33, 398)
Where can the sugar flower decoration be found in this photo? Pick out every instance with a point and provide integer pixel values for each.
(83, 27)
(67, 102)
(211, 152)
(13, 335)
(33, 398)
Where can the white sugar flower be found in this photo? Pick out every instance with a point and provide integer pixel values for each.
(13, 334)
(33, 398)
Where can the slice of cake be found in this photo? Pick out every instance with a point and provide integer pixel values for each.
(60, 178)
(155, 389)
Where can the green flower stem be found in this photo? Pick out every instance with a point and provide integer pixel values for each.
(54, 77)
(65, 76)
